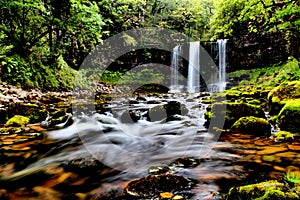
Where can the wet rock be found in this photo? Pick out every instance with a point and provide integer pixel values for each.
(154, 186)
(58, 119)
(186, 162)
(36, 113)
(264, 190)
(85, 166)
(3, 114)
(166, 111)
(279, 96)
(252, 125)
(4, 194)
(159, 170)
(17, 120)
(289, 117)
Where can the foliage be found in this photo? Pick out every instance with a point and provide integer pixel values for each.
(292, 177)
(260, 32)
(268, 76)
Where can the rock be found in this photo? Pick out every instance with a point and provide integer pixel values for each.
(17, 120)
(34, 112)
(155, 185)
(230, 112)
(252, 125)
(168, 110)
(279, 96)
(186, 162)
(265, 190)
(289, 117)
(159, 170)
(3, 114)
(4, 194)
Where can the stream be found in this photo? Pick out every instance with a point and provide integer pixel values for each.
(99, 154)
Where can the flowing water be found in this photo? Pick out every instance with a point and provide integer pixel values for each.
(193, 82)
(222, 64)
(175, 65)
(126, 149)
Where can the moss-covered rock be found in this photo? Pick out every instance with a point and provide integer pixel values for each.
(289, 117)
(18, 120)
(33, 111)
(262, 191)
(279, 96)
(231, 111)
(283, 136)
(252, 125)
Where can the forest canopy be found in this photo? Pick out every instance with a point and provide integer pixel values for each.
(43, 41)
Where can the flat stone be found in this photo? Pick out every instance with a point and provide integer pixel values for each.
(272, 150)
(294, 147)
(287, 155)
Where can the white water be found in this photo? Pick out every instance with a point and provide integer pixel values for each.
(193, 83)
(175, 64)
(222, 64)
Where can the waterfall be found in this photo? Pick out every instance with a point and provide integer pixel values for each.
(193, 82)
(222, 64)
(175, 64)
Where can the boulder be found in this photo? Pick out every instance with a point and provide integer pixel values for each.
(160, 185)
(230, 112)
(252, 125)
(289, 117)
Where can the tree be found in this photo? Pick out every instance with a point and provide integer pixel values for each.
(261, 32)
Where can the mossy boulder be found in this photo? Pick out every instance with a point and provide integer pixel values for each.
(17, 121)
(279, 96)
(289, 117)
(252, 125)
(34, 112)
(231, 112)
(263, 191)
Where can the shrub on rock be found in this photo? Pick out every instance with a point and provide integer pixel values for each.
(289, 117)
(252, 125)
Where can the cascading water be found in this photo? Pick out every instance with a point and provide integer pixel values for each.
(175, 64)
(193, 83)
(222, 64)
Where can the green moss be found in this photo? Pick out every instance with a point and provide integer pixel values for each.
(252, 125)
(289, 116)
(262, 191)
(279, 96)
(254, 102)
(232, 111)
(283, 136)
(17, 120)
